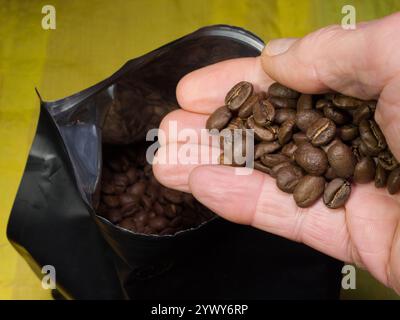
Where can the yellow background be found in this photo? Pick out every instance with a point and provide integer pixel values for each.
(92, 40)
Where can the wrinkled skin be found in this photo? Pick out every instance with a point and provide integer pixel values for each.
(361, 63)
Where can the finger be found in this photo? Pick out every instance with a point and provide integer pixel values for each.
(182, 126)
(387, 114)
(354, 62)
(255, 200)
(173, 163)
(204, 90)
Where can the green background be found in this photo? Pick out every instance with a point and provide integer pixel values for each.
(91, 41)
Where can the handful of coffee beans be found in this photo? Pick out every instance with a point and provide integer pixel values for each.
(313, 145)
(133, 199)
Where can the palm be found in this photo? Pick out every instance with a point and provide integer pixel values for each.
(365, 232)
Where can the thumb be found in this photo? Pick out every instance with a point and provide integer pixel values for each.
(354, 62)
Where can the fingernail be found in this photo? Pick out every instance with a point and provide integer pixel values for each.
(278, 46)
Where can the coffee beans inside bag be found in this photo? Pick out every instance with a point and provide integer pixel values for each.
(313, 145)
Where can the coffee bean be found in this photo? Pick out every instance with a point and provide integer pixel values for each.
(288, 177)
(279, 102)
(132, 175)
(236, 123)
(348, 132)
(387, 160)
(289, 150)
(336, 193)
(381, 176)
(137, 189)
(330, 174)
(278, 90)
(114, 215)
(345, 102)
(393, 182)
(219, 118)
(275, 169)
(261, 133)
(238, 95)
(361, 113)
(306, 118)
(322, 104)
(313, 160)
(128, 223)
(364, 171)
(111, 201)
(282, 115)
(263, 113)
(261, 167)
(271, 160)
(173, 196)
(286, 131)
(265, 147)
(308, 190)
(305, 102)
(372, 136)
(336, 115)
(299, 138)
(108, 188)
(127, 198)
(158, 223)
(246, 110)
(341, 159)
(321, 132)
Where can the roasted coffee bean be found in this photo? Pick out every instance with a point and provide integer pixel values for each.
(132, 175)
(263, 112)
(305, 118)
(126, 198)
(286, 131)
(372, 135)
(336, 193)
(258, 165)
(170, 211)
(279, 102)
(108, 188)
(114, 215)
(111, 201)
(271, 160)
(364, 150)
(246, 110)
(381, 176)
(289, 150)
(137, 189)
(323, 103)
(393, 182)
(265, 147)
(305, 102)
(313, 160)
(387, 160)
(330, 174)
(142, 217)
(238, 95)
(361, 113)
(147, 202)
(345, 102)
(282, 115)
(364, 171)
(288, 177)
(261, 133)
(341, 159)
(121, 180)
(348, 132)
(167, 231)
(120, 164)
(158, 223)
(308, 190)
(299, 138)
(128, 223)
(219, 118)
(275, 169)
(321, 132)
(172, 196)
(236, 123)
(336, 115)
(278, 90)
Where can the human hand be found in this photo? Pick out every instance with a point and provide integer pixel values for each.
(361, 63)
